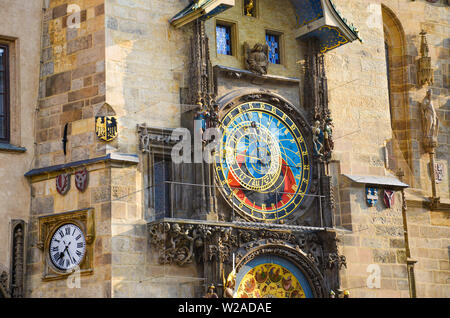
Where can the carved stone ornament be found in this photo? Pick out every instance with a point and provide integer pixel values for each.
(4, 291)
(63, 183)
(84, 219)
(181, 243)
(430, 123)
(155, 137)
(81, 179)
(425, 71)
(257, 59)
(17, 259)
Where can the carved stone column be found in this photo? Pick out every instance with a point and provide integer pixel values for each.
(319, 116)
(202, 96)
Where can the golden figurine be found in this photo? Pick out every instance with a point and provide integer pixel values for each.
(249, 8)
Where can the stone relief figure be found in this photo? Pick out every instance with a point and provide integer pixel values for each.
(328, 135)
(317, 138)
(430, 122)
(257, 59)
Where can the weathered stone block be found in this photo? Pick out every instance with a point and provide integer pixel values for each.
(57, 84)
(384, 256)
(59, 11)
(83, 93)
(43, 205)
(79, 44)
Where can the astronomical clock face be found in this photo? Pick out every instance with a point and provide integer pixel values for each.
(263, 163)
(67, 247)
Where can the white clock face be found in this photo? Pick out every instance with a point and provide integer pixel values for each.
(67, 247)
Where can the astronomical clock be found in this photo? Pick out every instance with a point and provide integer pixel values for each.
(263, 163)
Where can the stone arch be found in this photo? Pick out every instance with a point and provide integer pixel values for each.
(398, 87)
(313, 279)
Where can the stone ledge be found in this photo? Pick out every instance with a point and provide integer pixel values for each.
(239, 73)
(244, 225)
(112, 157)
(11, 148)
(381, 181)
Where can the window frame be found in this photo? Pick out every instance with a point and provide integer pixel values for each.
(233, 36)
(156, 158)
(227, 27)
(6, 95)
(279, 35)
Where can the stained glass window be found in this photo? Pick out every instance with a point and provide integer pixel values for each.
(273, 41)
(4, 107)
(223, 36)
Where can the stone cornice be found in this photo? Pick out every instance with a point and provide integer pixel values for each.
(112, 157)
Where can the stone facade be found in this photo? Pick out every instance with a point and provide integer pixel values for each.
(17, 156)
(124, 58)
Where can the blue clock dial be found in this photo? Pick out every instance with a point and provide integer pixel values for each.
(262, 164)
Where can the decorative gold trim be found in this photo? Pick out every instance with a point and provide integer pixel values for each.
(84, 219)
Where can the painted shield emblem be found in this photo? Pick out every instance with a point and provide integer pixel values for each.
(81, 179)
(106, 127)
(371, 196)
(439, 172)
(388, 198)
(63, 183)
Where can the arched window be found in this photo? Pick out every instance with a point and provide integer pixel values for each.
(398, 85)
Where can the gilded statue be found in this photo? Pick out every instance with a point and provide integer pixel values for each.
(257, 59)
(230, 285)
(430, 122)
(249, 8)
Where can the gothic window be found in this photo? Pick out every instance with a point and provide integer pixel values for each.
(223, 39)
(388, 72)
(4, 93)
(273, 41)
(162, 174)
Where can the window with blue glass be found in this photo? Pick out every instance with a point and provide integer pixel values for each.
(223, 38)
(273, 41)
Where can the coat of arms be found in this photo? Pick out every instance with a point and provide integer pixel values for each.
(63, 183)
(439, 172)
(106, 127)
(371, 196)
(389, 198)
(81, 179)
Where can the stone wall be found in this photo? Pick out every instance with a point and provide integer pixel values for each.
(429, 234)
(20, 28)
(72, 81)
(127, 54)
(146, 65)
(276, 16)
(46, 201)
(362, 128)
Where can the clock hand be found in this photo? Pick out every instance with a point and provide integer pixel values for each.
(61, 255)
(70, 256)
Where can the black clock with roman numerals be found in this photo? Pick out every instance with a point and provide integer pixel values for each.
(67, 247)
